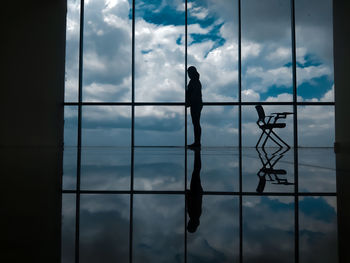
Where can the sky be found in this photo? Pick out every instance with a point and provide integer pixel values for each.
(213, 49)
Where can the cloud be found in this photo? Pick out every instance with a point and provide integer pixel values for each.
(316, 126)
(72, 51)
(268, 25)
(159, 71)
(314, 28)
(107, 51)
(307, 74)
(199, 12)
(265, 78)
(281, 53)
(267, 21)
(329, 95)
(160, 55)
(281, 97)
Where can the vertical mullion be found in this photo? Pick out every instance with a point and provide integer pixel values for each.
(239, 75)
(295, 132)
(132, 133)
(185, 72)
(240, 131)
(80, 96)
(185, 216)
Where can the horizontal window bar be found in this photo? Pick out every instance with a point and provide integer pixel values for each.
(204, 193)
(183, 104)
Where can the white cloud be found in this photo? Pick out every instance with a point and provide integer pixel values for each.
(199, 12)
(250, 49)
(250, 95)
(159, 62)
(329, 95)
(281, 76)
(280, 54)
(93, 62)
(281, 97)
(109, 4)
(160, 59)
(308, 73)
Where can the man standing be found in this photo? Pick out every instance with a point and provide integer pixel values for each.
(194, 101)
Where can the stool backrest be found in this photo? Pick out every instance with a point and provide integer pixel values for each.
(261, 113)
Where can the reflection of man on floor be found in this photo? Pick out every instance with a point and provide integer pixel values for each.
(194, 195)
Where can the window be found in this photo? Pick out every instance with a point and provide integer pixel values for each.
(125, 87)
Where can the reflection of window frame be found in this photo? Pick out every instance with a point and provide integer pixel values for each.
(295, 103)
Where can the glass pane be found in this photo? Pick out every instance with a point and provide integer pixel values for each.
(70, 126)
(107, 51)
(219, 168)
(219, 126)
(318, 229)
(266, 51)
(69, 168)
(314, 42)
(217, 237)
(159, 50)
(268, 229)
(159, 126)
(251, 131)
(72, 51)
(68, 228)
(266, 171)
(317, 170)
(159, 169)
(104, 228)
(213, 47)
(158, 228)
(105, 168)
(106, 126)
(316, 126)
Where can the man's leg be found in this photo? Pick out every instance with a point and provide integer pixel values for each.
(196, 115)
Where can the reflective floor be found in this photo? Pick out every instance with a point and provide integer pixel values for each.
(168, 204)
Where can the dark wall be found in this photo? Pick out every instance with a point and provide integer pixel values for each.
(33, 90)
(32, 93)
(341, 22)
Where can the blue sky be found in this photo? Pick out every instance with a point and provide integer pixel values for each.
(212, 48)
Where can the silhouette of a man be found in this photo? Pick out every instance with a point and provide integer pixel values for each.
(194, 101)
(195, 194)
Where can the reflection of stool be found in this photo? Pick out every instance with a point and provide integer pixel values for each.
(268, 125)
(269, 171)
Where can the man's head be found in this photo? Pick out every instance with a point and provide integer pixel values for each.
(192, 73)
(192, 225)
